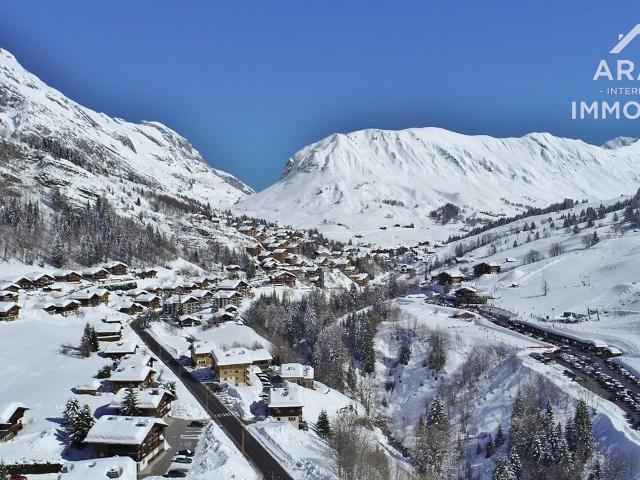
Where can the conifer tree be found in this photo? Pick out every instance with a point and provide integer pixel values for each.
(323, 425)
(490, 448)
(71, 409)
(583, 431)
(499, 437)
(131, 403)
(4, 472)
(502, 470)
(78, 429)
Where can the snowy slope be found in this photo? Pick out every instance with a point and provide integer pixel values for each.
(48, 140)
(374, 178)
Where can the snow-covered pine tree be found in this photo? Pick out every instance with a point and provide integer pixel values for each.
(131, 403)
(323, 425)
(80, 427)
(71, 409)
(583, 431)
(490, 447)
(58, 255)
(499, 437)
(503, 470)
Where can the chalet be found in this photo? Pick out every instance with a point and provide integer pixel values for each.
(94, 387)
(9, 311)
(261, 357)
(24, 283)
(222, 298)
(120, 468)
(240, 286)
(120, 349)
(152, 402)
(203, 296)
(67, 276)
(63, 306)
(286, 404)
(486, 268)
(189, 321)
(91, 298)
(269, 264)
(109, 332)
(294, 248)
(233, 268)
(148, 273)
(180, 305)
(148, 300)
(232, 309)
(11, 415)
(284, 278)
(222, 316)
(249, 230)
(140, 438)
(130, 308)
(96, 274)
(116, 268)
(450, 277)
(8, 296)
(468, 296)
(232, 365)
(360, 278)
(297, 373)
(201, 354)
(43, 280)
(255, 250)
(280, 254)
(10, 287)
(131, 374)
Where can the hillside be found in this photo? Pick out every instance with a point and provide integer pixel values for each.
(60, 160)
(364, 181)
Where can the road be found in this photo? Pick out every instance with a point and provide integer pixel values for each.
(250, 447)
(507, 319)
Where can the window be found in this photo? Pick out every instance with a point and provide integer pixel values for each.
(292, 419)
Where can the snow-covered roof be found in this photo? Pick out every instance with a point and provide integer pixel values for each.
(115, 264)
(232, 356)
(202, 348)
(288, 396)
(88, 294)
(7, 306)
(90, 386)
(93, 271)
(114, 429)
(221, 294)
(131, 373)
(107, 328)
(180, 299)
(120, 347)
(296, 370)
(122, 468)
(261, 355)
(230, 284)
(61, 303)
(148, 398)
(146, 297)
(8, 409)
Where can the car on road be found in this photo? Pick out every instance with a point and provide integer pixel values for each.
(186, 453)
(196, 424)
(175, 473)
(182, 460)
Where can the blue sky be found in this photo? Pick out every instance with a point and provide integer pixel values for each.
(251, 82)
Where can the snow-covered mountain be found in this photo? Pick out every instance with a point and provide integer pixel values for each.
(362, 181)
(48, 140)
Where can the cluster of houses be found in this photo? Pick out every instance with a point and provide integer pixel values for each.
(283, 385)
(278, 252)
(466, 294)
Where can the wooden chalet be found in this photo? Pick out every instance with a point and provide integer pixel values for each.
(118, 350)
(8, 296)
(140, 438)
(469, 296)
(96, 274)
(43, 280)
(131, 374)
(189, 320)
(147, 273)
(450, 277)
(486, 268)
(24, 283)
(91, 298)
(10, 287)
(284, 278)
(62, 307)
(109, 332)
(130, 308)
(67, 276)
(9, 311)
(255, 250)
(223, 298)
(239, 286)
(117, 268)
(94, 387)
(148, 300)
(286, 404)
(297, 373)
(11, 415)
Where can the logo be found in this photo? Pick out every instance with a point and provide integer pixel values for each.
(620, 76)
(625, 40)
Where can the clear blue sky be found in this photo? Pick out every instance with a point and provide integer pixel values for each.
(251, 82)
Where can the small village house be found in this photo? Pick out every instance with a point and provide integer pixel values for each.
(109, 332)
(11, 416)
(42, 280)
(64, 306)
(67, 276)
(298, 373)
(450, 277)
(91, 298)
(9, 311)
(117, 268)
(239, 286)
(284, 278)
(95, 274)
(189, 320)
(180, 305)
(469, 296)
(201, 354)
(484, 268)
(118, 350)
(232, 365)
(24, 283)
(132, 375)
(93, 387)
(140, 438)
(8, 296)
(110, 468)
(222, 298)
(148, 300)
(286, 404)
(130, 308)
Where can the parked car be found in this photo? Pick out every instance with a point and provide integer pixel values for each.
(175, 473)
(182, 460)
(186, 453)
(196, 424)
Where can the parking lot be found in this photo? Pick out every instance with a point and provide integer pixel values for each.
(180, 435)
(584, 364)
